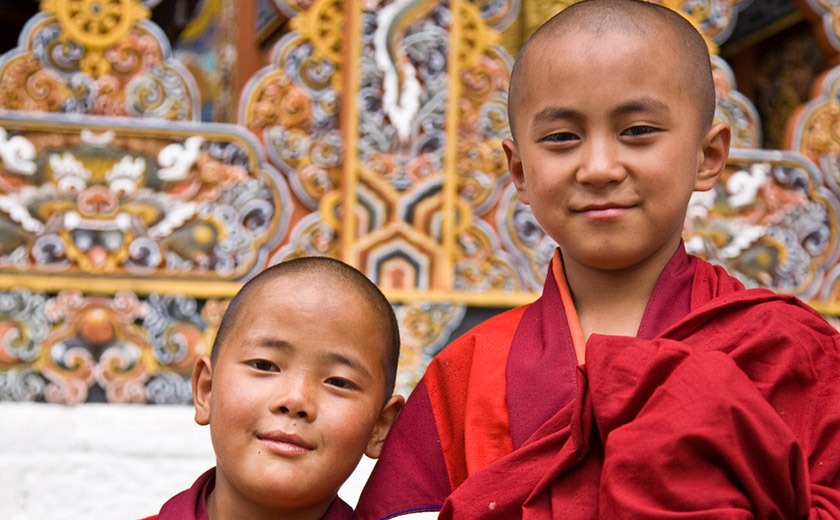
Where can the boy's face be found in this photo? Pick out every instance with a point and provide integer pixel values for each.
(610, 146)
(296, 395)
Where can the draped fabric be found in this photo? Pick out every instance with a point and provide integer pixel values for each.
(191, 504)
(726, 405)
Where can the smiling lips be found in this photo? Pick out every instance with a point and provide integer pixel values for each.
(606, 210)
(285, 443)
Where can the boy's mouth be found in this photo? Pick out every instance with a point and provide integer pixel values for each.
(604, 209)
(600, 206)
(285, 443)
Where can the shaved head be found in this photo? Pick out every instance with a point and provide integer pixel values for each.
(601, 18)
(340, 278)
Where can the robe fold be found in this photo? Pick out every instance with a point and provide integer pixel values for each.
(725, 405)
(191, 504)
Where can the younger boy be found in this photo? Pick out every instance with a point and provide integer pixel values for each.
(644, 383)
(298, 386)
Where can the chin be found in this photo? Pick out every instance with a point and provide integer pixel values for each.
(614, 262)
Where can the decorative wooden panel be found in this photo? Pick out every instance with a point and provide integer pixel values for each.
(372, 135)
(813, 131)
(113, 231)
(124, 225)
(98, 58)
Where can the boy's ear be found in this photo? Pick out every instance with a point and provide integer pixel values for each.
(515, 167)
(202, 384)
(383, 425)
(715, 152)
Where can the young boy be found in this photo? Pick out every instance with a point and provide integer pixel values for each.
(644, 383)
(297, 388)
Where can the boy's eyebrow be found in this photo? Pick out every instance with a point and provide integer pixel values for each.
(276, 343)
(550, 114)
(329, 357)
(644, 104)
(341, 359)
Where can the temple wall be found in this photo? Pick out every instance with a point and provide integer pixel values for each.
(104, 461)
(96, 461)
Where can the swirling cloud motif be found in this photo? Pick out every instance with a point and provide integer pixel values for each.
(743, 186)
(177, 159)
(17, 153)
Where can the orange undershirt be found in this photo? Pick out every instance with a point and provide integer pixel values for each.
(578, 339)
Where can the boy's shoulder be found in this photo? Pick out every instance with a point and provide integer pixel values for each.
(476, 358)
(500, 323)
(752, 323)
(190, 503)
(491, 334)
(715, 291)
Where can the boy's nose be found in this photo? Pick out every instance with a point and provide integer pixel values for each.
(297, 400)
(600, 165)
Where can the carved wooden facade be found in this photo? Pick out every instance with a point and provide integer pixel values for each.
(372, 135)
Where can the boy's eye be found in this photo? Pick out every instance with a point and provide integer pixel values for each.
(560, 137)
(340, 383)
(263, 365)
(640, 130)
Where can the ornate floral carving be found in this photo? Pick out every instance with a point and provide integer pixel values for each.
(816, 126)
(385, 124)
(425, 328)
(97, 57)
(770, 221)
(95, 25)
(714, 18)
(71, 348)
(110, 200)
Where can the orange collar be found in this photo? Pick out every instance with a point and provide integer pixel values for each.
(578, 339)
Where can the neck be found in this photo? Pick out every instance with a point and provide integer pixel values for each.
(613, 302)
(222, 505)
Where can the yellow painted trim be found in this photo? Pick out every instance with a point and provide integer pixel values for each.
(201, 289)
(450, 158)
(825, 308)
(351, 71)
(218, 289)
(199, 24)
(482, 299)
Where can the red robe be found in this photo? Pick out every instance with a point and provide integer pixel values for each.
(726, 405)
(191, 504)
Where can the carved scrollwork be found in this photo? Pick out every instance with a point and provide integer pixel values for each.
(98, 57)
(71, 348)
(770, 221)
(96, 201)
(425, 328)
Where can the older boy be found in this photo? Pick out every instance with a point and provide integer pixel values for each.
(297, 388)
(644, 383)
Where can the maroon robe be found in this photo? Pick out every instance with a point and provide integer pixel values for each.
(726, 405)
(191, 504)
